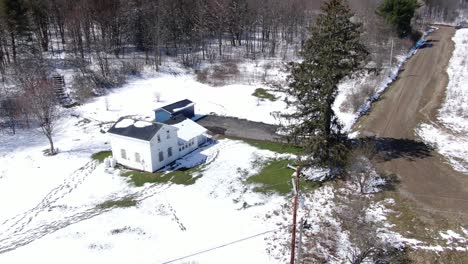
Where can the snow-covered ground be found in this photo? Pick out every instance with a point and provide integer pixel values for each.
(50, 205)
(450, 134)
(325, 238)
(170, 221)
(138, 98)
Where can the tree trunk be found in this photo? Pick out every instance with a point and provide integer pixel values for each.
(51, 142)
(13, 46)
(45, 36)
(220, 43)
(62, 32)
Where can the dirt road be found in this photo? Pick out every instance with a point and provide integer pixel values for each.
(415, 98)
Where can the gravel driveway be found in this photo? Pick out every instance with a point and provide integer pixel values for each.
(239, 128)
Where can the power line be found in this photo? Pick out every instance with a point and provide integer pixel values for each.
(269, 231)
(218, 247)
(432, 196)
(429, 209)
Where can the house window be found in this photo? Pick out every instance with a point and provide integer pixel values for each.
(168, 134)
(123, 154)
(159, 138)
(137, 157)
(169, 152)
(161, 156)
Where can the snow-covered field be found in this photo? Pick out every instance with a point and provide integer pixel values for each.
(138, 98)
(169, 221)
(50, 205)
(450, 134)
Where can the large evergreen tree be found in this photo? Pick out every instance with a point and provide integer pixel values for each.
(399, 13)
(332, 52)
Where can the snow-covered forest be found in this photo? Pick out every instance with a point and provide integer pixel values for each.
(100, 44)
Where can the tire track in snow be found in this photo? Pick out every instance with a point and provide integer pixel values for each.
(29, 233)
(70, 183)
(24, 232)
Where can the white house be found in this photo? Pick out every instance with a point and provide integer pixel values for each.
(149, 146)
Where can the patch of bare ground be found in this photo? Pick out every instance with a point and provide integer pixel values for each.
(411, 221)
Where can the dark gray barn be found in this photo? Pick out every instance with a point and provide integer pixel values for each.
(184, 107)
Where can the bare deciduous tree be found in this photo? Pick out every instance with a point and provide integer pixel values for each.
(367, 246)
(360, 170)
(157, 96)
(43, 106)
(106, 102)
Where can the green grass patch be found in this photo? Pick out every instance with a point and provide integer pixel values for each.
(101, 156)
(181, 177)
(275, 177)
(277, 147)
(264, 94)
(186, 177)
(124, 202)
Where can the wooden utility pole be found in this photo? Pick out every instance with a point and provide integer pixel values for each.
(296, 199)
(299, 247)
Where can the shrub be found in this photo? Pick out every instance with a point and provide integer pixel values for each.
(202, 75)
(83, 87)
(264, 94)
(219, 75)
(191, 59)
(222, 73)
(133, 68)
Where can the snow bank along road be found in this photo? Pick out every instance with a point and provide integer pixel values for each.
(414, 98)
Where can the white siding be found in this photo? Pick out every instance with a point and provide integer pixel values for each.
(187, 147)
(163, 146)
(131, 146)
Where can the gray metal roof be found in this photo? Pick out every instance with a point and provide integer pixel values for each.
(177, 105)
(139, 132)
